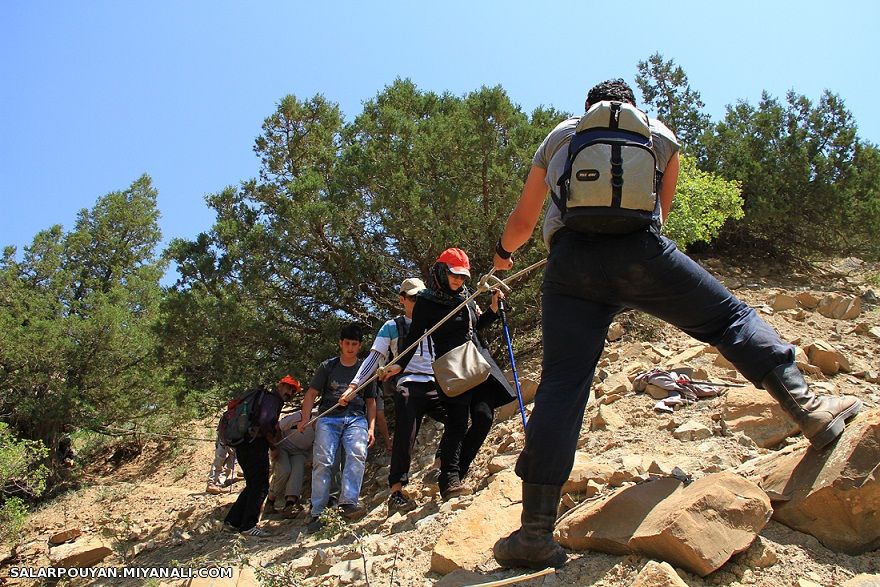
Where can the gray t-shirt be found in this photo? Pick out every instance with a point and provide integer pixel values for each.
(553, 153)
(294, 440)
(332, 379)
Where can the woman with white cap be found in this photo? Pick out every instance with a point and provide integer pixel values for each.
(446, 290)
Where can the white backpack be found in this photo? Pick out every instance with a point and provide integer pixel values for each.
(609, 185)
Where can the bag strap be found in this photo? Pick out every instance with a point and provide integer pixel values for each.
(472, 319)
(402, 330)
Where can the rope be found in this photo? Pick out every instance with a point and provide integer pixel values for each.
(130, 432)
(482, 286)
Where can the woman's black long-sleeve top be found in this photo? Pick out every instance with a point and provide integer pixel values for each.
(452, 333)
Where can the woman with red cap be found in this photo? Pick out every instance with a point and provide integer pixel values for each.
(447, 290)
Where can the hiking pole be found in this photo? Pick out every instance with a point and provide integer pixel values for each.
(503, 313)
(715, 383)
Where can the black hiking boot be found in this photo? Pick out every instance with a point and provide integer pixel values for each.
(315, 525)
(351, 511)
(398, 502)
(533, 546)
(820, 417)
(454, 488)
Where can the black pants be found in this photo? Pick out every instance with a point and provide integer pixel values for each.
(586, 283)
(254, 459)
(412, 402)
(460, 442)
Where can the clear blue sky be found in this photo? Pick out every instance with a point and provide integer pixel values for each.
(94, 94)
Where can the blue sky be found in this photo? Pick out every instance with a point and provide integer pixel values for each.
(94, 94)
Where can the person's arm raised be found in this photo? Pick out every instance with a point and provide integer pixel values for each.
(521, 222)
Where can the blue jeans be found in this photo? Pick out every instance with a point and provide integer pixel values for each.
(353, 434)
(587, 282)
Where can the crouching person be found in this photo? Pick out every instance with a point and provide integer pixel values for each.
(289, 463)
(253, 456)
(350, 424)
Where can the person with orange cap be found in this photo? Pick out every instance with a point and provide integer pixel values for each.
(460, 442)
(289, 458)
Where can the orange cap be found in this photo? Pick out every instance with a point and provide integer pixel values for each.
(291, 381)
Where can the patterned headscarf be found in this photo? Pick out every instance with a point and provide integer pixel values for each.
(439, 290)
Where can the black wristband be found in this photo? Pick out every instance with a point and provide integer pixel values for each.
(501, 251)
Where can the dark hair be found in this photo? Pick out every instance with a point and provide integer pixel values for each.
(351, 331)
(611, 89)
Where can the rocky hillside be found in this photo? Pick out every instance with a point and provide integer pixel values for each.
(721, 491)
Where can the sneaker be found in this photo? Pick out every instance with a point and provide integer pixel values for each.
(398, 502)
(455, 489)
(352, 511)
(314, 525)
(213, 489)
(256, 532)
(432, 477)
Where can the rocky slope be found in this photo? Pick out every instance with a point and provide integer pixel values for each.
(153, 511)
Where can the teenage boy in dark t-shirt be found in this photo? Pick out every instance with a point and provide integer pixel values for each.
(351, 424)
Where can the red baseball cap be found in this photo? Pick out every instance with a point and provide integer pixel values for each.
(457, 261)
(291, 381)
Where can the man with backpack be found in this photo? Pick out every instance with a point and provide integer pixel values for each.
(257, 413)
(612, 174)
(414, 391)
(351, 423)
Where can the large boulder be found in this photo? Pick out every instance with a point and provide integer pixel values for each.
(753, 412)
(705, 524)
(698, 527)
(608, 525)
(469, 537)
(833, 494)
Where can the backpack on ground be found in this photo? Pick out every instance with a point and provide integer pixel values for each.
(609, 185)
(389, 386)
(236, 421)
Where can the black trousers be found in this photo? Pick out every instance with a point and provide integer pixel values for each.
(460, 442)
(254, 459)
(586, 283)
(412, 402)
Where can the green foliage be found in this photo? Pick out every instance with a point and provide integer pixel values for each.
(332, 524)
(665, 88)
(808, 184)
(78, 313)
(278, 575)
(21, 474)
(13, 517)
(340, 214)
(21, 468)
(703, 203)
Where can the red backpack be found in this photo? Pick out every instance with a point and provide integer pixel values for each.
(236, 421)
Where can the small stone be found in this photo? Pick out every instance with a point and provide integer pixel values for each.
(692, 430)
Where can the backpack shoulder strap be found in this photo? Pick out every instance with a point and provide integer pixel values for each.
(402, 328)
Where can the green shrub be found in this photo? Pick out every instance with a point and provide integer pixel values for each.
(13, 515)
(703, 203)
